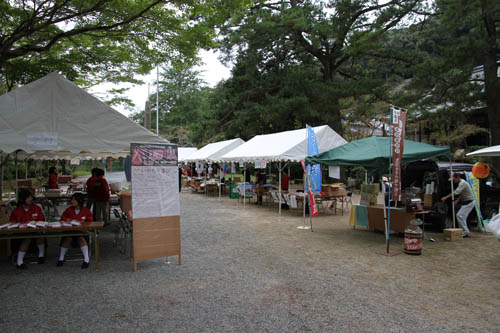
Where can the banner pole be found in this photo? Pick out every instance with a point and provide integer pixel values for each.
(388, 225)
(244, 184)
(279, 189)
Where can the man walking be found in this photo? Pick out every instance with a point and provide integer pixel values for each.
(464, 191)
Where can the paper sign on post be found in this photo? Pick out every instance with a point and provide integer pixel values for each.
(155, 181)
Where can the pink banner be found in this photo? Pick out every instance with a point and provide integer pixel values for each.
(398, 135)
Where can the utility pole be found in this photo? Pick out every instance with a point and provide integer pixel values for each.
(157, 99)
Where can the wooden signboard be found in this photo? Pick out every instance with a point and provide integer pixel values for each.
(155, 202)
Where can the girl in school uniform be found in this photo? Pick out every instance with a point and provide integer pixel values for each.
(77, 212)
(26, 211)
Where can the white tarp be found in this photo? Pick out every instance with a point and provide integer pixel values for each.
(53, 114)
(214, 151)
(185, 152)
(284, 146)
(489, 151)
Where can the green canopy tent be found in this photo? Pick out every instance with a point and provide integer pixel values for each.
(374, 154)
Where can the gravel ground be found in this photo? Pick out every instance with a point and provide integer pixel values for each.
(249, 270)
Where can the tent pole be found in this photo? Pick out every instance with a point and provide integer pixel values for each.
(452, 193)
(244, 184)
(388, 222)
(15, 163)
(279, 186)
(305, 198)
(2, 162)
(220, 181)
(206, 170)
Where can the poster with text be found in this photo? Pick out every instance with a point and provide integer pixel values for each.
(155, 180)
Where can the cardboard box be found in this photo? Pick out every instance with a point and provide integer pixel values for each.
(428, 200)
(126, 202)
(452, 234)
(333, 190)
(64, 179)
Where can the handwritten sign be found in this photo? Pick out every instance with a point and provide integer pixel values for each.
(155, 181)
(42, 141)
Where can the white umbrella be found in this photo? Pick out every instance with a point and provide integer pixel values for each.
(489, 151)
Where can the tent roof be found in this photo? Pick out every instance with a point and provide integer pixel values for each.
(54, 114)
(284, 146)
(185, 152)
(489, 151)
(214, 151)
(374, 152)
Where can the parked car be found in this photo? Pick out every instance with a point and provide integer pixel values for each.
(418, 174)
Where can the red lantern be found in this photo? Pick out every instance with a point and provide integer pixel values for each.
(481, 170)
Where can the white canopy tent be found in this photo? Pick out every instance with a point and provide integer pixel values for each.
(53, 114)
(213, 152)
(185, 152)
(284, 146)
(289, 146)
(489, 151)
(52, 118)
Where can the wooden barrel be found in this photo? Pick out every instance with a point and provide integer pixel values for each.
(413, 243)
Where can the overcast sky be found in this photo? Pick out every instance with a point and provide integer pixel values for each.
(213, 72)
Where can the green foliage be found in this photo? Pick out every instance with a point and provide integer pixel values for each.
(302, 62)
(93, 41)
(183, 100)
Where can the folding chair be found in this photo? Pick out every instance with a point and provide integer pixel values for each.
(121, 232)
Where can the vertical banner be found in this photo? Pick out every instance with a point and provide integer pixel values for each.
(398, 134)
(313, 207)
(155, 181)
(313, 170)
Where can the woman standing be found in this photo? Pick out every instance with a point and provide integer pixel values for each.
(90, 188)
(53, 178)
(101, 195)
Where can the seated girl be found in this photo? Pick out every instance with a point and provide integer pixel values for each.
(26, 211)
(77, 212)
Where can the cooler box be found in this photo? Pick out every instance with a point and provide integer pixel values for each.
(64, 179)
(233, 191)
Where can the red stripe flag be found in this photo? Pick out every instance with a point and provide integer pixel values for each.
(398, 135)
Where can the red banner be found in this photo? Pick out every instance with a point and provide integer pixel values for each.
(313, 207)
(398, 135)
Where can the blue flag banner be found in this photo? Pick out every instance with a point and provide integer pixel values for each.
(313, 170)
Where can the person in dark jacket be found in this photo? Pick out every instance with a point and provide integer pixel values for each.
(53, 178)
(100, 190)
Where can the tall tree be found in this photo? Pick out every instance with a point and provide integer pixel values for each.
(336, 34)
(183, 100)
(97, 40)
(458, 46)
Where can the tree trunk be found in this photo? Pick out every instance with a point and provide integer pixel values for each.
(492, 82)
(63, 167)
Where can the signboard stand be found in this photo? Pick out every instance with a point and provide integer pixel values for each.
(155, 202)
